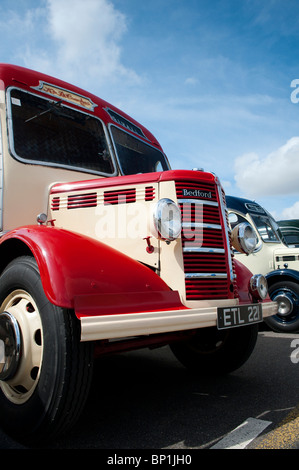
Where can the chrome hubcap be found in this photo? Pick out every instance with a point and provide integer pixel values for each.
(21, 337)
(10, 346)
(285, 304)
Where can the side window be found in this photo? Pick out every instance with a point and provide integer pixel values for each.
(265, 228)
(136, 156)
(47, 132)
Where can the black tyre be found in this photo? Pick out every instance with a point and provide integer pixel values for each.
(216, 352)
(47, 371)
(287, 295)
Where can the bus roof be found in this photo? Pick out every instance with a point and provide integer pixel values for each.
(46, 85)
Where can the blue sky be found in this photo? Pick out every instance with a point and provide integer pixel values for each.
(210, 79)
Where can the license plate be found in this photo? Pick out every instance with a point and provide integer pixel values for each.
(229, 317)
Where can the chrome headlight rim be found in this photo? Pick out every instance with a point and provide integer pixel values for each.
(259, 286)
(241, 238)
(167, 220)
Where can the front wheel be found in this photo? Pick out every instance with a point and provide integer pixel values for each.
(45, 371)
(214, 352)
(287, 319)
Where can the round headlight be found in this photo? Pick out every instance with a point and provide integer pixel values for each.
(259, 286)
(167, 220)
(244, 238)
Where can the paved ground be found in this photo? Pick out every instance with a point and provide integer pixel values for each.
(147, 400)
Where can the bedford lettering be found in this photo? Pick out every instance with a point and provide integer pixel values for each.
(197, 193)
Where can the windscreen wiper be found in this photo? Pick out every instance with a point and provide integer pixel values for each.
(51, 107)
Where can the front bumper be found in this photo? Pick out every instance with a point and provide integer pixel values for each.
(99, 327)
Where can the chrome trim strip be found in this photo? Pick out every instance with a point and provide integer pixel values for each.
(225, 224)
(195, 249)
(198, 201)
(205, 275)
(201, 225)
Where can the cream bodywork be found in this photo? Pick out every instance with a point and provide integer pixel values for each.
(268, 256)
(126, 227)
(124, 325)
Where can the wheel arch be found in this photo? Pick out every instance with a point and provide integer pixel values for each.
(282, 275)
(72, 265)
(285, 281)
(11, 249)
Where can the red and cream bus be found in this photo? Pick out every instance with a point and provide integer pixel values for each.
(103, 249)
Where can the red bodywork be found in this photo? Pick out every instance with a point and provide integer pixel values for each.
(12, 75)
(158, 177)
(83, 274)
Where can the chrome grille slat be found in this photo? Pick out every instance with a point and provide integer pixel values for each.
(201, 225)
(207, 263)
(199, 202)
(195, 249)
(205, 275)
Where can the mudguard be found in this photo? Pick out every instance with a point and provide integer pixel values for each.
(283, 274)
(80, 273)
(243, 279)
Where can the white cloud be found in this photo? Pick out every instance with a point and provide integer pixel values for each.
(191, 81)
(74, 40)
(19, 30)
(226, 185)
(291, 212)
(275, 174)
(87, 36)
